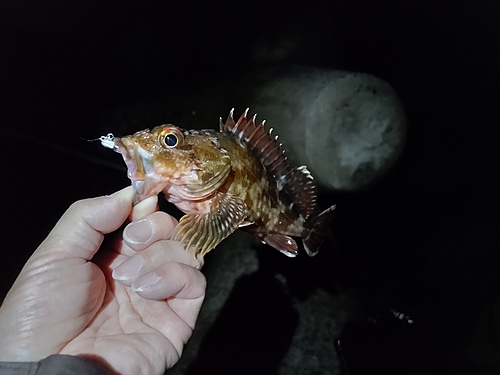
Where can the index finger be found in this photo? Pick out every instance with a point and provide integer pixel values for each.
(80, 231)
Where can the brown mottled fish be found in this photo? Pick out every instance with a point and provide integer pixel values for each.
(223, 180)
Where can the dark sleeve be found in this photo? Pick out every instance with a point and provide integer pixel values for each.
(56, 364)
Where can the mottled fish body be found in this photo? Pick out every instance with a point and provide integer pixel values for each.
(222, 180)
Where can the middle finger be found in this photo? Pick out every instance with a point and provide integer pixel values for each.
(159, 253)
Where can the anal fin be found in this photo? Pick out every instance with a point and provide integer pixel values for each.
(282, 243)
(204, 231)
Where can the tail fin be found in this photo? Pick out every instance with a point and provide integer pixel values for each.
(318, 226)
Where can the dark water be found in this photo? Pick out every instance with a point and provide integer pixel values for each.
(423, 241)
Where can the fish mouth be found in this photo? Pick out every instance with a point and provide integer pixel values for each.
(149, 178)
(140, 169)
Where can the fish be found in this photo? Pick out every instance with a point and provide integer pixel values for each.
(234, 177)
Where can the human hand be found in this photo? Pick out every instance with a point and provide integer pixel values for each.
(64, 303)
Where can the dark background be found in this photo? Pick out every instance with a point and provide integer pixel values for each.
(424, 240)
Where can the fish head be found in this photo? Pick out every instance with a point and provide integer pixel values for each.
(185, 165)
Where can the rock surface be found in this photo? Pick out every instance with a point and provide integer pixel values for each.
(348, 128)
(252, 321)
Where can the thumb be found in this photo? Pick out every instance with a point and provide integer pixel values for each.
(80, 231)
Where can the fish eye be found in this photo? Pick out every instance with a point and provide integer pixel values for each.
(171, 137)
(170, 140)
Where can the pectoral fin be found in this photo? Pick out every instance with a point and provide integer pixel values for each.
(204, 231)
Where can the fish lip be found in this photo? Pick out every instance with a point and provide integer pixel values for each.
(120, 148)
(129, 153)
(140, 166)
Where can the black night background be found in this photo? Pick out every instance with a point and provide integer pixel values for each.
(410, 271)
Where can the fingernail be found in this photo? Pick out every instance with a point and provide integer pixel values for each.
(138, 232)
(145, 282)
(129, 268)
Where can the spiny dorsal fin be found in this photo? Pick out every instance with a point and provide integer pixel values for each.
(300, 187)
(257, 139)
(297, 183)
